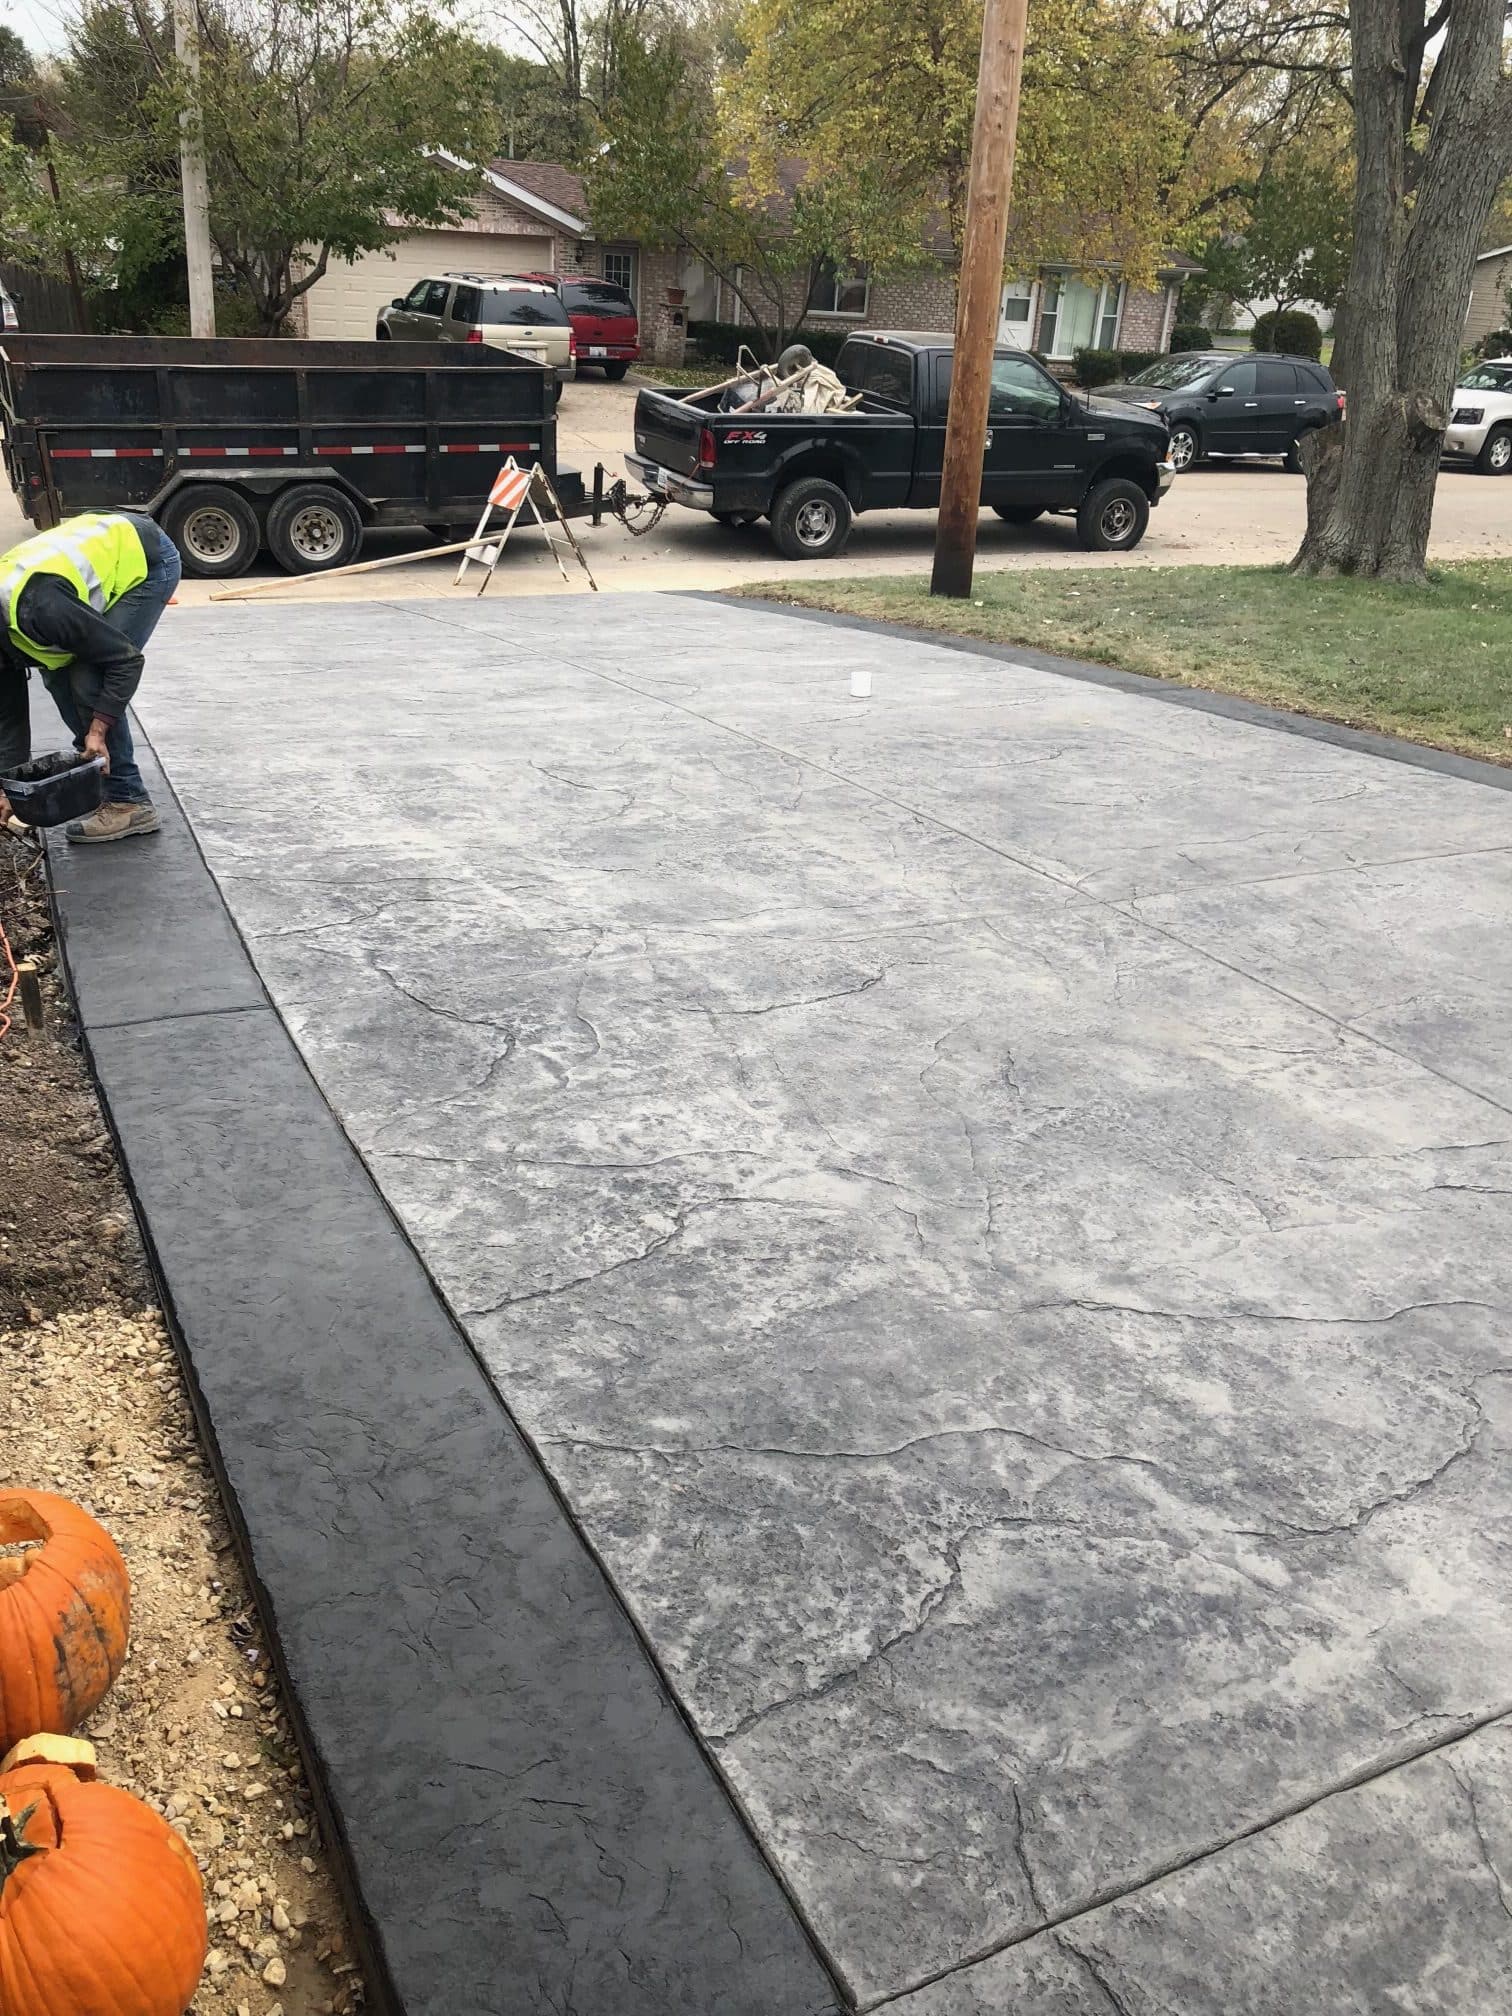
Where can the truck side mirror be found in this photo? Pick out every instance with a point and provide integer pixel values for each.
(397, 302)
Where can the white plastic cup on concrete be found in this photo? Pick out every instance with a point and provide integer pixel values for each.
(861, 683)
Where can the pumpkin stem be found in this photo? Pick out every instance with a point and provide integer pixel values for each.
(14, 1849)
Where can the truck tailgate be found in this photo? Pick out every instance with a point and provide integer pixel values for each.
(667, 432)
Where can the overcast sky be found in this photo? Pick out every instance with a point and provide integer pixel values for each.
(39, 23)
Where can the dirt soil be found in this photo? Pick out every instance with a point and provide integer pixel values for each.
(92, 1404)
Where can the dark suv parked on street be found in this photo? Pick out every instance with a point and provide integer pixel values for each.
(1216, 403)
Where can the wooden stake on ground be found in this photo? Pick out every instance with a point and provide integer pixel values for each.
(999, 71)
(30, 989)
(288, 581)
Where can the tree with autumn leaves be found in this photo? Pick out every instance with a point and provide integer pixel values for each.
(770, 140)
(842, 82)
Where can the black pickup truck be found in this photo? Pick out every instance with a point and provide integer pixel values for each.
(1047, 450)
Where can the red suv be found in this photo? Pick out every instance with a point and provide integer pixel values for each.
(602, 317)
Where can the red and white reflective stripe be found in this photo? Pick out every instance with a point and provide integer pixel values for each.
(219, 454)
(372, 448)
(489, 447)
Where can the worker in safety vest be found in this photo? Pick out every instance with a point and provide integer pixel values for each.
(79, 602)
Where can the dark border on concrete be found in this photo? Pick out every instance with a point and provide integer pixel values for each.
(525, 1820)
(1362, 741)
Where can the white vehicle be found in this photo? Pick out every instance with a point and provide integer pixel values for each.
(1481, 425)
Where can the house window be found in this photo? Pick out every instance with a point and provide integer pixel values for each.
(840, 292)
(619, 270)
(1079, 315)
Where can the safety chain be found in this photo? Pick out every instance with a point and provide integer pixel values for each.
(639, 515)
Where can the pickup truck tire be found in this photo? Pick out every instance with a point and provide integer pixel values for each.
(1019, 514)
(615, 371)
(312, 528)
(811, 519)
(1113, 516)
(214, 528)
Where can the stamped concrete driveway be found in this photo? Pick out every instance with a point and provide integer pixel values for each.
(993, 1203)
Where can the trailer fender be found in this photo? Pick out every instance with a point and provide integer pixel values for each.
(261, 486)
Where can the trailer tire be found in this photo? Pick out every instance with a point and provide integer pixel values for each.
(811, 519)
(312, 528)
(214, 528)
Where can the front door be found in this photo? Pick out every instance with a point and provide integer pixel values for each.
(1033, 457)
(1016, 313)
(1235, 426)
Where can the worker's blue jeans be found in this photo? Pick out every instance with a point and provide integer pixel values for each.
(75, 688)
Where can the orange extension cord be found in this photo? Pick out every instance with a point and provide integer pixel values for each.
(10, 991)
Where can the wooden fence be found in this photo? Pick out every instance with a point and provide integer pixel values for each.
(43, 301)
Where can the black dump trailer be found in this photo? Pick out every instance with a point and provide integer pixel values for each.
(296, 447)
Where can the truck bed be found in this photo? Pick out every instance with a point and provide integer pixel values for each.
(875, 443)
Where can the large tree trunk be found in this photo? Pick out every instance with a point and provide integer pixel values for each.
(1415, 241)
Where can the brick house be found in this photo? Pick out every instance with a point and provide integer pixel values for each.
(532, 216)
(527, 216)
(1056, 310)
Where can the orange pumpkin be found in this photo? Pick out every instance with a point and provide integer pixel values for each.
(101, 1908)
(65, 1610)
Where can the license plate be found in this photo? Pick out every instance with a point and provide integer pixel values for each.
(597, 350)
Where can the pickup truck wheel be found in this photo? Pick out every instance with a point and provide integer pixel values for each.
(615, 371)
(1019, 514)
(313, 528)
(811, 520)
(1113, 516)
(215, 530)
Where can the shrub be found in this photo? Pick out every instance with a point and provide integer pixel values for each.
(1109, 367)
(718, 342)
(1191, 336)
(1496, 343)
(1289, 330)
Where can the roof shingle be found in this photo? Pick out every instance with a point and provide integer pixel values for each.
(549, 180)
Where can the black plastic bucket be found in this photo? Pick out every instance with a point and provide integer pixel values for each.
(50, 790)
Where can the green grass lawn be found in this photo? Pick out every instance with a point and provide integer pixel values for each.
(1433, 664)
(683, 375)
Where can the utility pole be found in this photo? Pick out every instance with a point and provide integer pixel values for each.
(192, 174)
(999, 71)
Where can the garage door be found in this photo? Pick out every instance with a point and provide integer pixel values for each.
(345, 301)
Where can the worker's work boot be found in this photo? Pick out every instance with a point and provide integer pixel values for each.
(114, 821)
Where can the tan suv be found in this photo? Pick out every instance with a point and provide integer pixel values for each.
(496, 308)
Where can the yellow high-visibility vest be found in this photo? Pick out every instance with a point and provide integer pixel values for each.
(100, 554)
